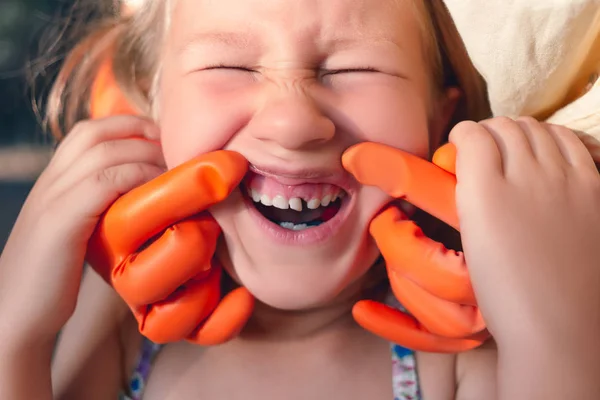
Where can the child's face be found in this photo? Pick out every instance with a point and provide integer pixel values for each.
(293, 99)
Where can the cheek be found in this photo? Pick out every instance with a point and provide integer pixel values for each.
(396, 116)
(196, 120)
(197, 117)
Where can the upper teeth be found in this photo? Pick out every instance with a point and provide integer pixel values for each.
(295, 203)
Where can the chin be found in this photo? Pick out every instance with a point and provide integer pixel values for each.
(302, 284)
(298, 269)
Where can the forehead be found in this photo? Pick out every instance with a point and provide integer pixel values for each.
(342, 22)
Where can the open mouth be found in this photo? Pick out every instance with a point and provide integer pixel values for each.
(297, 214)
(295, 208)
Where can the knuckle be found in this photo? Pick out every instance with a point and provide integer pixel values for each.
(116, 177)
(560, 129)
(108, 148)
(568, 134)
(139, 172)
(81, 126)
(500, 123)
(468, 131)
(464, 128)
(466, 125)
(122, 177)
(132, 123)
(528, 120)
(106, 176)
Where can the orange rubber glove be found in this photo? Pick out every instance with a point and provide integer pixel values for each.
(155, 244)
(430, 281)
(106, 98)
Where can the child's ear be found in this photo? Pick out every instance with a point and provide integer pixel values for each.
(445, 109)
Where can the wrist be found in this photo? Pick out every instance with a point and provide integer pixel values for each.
(14, 341)
(22, 363)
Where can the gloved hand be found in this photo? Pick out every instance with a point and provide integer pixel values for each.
(155, 244)
(172, 284)
(430, 281)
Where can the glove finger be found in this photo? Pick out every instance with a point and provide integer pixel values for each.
(180, 254)
(226, 321)
(176, 317)
(410, 253)
(403, 175)
(439, 316)
(176, 195)
(445, 158)
(402, 329)
(106, 97)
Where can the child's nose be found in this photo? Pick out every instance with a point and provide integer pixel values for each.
(293, 121)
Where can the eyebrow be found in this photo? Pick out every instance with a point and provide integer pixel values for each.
(342, 43)
(243, 40)
(238, 40)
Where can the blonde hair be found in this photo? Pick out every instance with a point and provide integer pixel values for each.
(133, 40)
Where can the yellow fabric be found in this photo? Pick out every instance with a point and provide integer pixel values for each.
(538, 57)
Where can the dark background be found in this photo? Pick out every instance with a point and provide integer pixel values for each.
(27, 27)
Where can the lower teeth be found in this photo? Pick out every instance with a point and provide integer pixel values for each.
(299, 227)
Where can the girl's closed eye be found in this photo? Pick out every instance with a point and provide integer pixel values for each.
(328, 76)
(325, 72)
(236, 67)
(226, 75)
(362, 71)
(363, 77)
